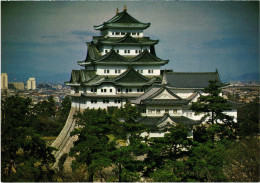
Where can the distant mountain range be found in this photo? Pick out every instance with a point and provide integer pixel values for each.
(248, 77)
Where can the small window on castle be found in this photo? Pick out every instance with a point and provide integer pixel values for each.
(125, 51)
(138, 90)
(106, 51)
(107, 71)
(126, 90)
(122, 33)
(128, 51)
(115, 71)
(118, 90)
(139, 51)
(142, 90)
(141, 71)
(158, 111)
(119, 71)
(136, 51)
(174, 111)
(149, 111)
(105, 90)
(134, 33)
(117, 51)
(166, 111)
(102, 90)
(95, 90)
(111, 90)
(92, 90)
(144, 111)
(138, 33)
(113, 33)
(117, 33)
(130, 90)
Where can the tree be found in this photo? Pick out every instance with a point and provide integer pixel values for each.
(213, 106)
(93, 147)
(167, 154)
(205, 162)
(25, 156)
(129, 159)
(248, 120)
(212, 103)
(242, 161)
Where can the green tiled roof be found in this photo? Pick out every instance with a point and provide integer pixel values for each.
(126, 40)
(79, 76)
(113, 58)
(148, 97)
(122, 20)
(190, 79)
(92, 54)
(164, 102)
(147, 57)
(131, 76)
(153, 122)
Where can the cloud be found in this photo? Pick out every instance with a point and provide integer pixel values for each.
(224, 43)
(83, 33)
(50, 37)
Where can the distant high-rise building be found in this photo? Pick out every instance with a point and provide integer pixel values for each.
(16, 85)
(31, 84)
(4, 81)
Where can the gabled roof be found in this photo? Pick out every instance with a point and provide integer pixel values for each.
(111, 57)
(122, 20)
(161, 90)
(126, 40)
(80, 76)
(160, 122)
(131, 76)
(147, 57)
(92, 54)
(190, 79)
(149, 97)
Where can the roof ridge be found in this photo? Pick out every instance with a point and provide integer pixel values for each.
(128, 71)
(111, 52)
(146, 52)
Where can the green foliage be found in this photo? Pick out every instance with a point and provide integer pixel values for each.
(242, 161)
(212, 103)
(93, 146)
(162, 175)
(248, 120)
(25, 156)
(206, 162)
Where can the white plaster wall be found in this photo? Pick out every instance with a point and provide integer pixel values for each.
(183, 93)
(122, 49)
(232, 113)
(107, 87)
(162, 111)
(100, 70)
(156, 70)
(141, 34)
(150, 135)
(87, 104)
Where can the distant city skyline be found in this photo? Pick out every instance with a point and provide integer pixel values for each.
(46, 39)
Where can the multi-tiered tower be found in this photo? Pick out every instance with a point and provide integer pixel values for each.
(120, 65)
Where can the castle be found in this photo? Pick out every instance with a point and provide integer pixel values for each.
(121, 65)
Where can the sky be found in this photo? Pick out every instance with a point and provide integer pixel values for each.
(46, 39)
